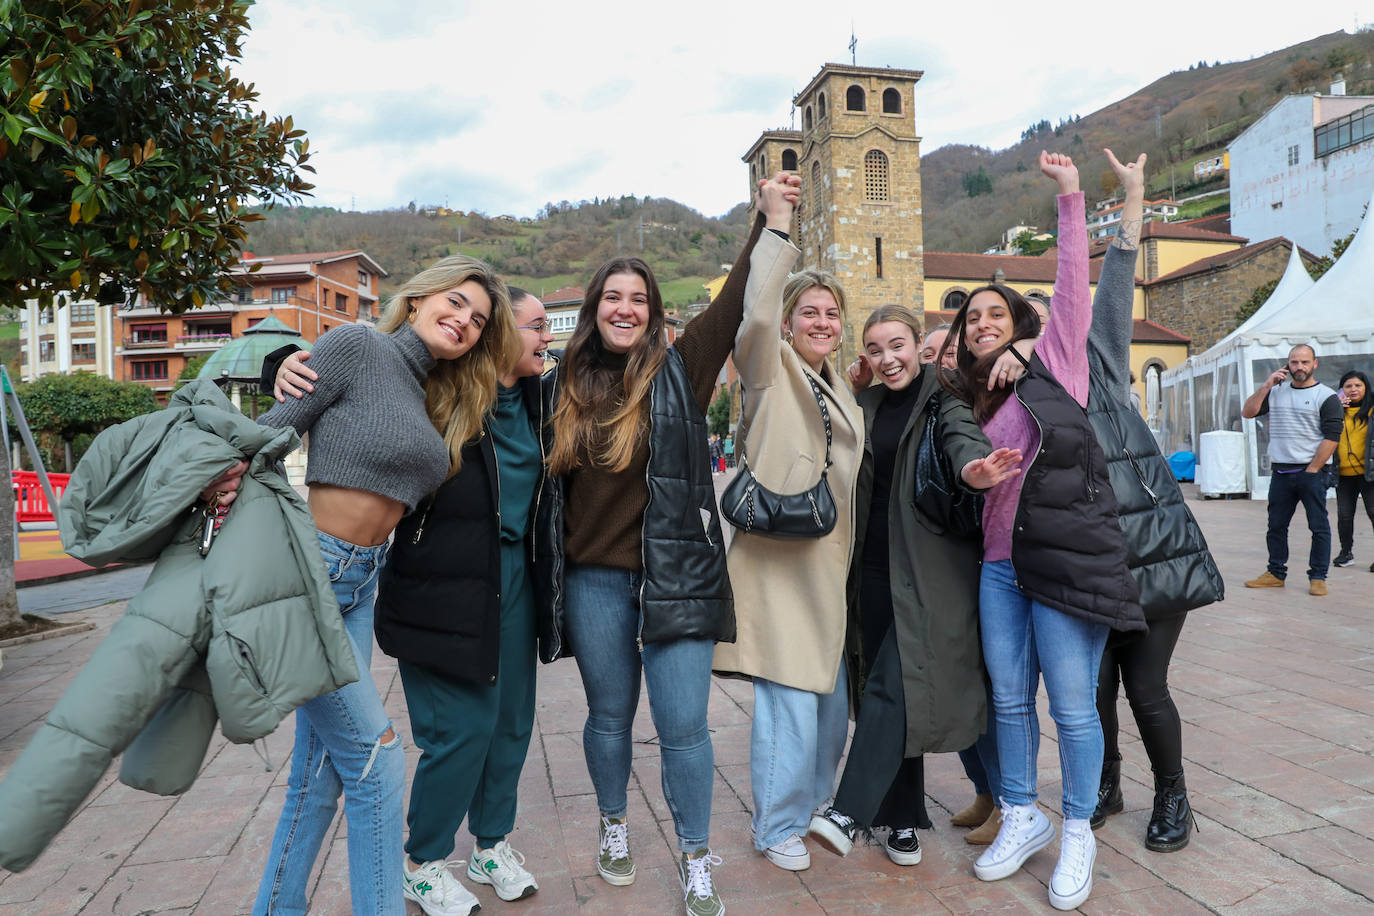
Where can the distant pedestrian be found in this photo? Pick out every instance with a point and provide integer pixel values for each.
(1305, 420)
(717, 455)
(1354, 461)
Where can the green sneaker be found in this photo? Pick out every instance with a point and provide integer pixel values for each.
(615, 863)
(698, 890)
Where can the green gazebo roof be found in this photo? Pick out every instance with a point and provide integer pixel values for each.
(240, 360)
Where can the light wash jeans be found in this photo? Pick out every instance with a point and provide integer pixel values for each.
(603, 622)
(338, 749)
(794, 750)
(1021, 639)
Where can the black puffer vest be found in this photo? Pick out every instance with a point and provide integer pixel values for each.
(686, 589)
(1165, 550)
(1067, 546)
(439, 594)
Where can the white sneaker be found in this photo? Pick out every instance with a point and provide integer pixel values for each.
(433, 886)
(504, 869)
(1073, 876)
(790, 854)
(1025, 830)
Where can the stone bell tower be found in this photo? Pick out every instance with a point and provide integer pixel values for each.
(860, 162)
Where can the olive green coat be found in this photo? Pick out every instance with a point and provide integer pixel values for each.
(934, 580)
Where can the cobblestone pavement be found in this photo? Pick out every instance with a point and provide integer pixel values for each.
(1276, 690)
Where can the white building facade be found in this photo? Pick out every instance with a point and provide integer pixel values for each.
(1304, 170)
(75, 337)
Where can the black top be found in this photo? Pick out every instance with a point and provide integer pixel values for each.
(888, 425)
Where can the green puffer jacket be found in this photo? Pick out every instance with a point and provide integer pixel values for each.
(245, 634)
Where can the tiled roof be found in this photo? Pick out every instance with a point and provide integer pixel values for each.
(1219, 261)
(312, 257)
(979, 268)
(1218, 222)
(1143, 331)
(1158, 230)
(564, 295)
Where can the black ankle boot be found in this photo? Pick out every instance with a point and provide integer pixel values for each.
(1108, 792)
(1172, 820)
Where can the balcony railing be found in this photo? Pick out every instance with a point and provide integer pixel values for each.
(146, 342)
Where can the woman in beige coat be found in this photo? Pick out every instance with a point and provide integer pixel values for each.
(790, 594)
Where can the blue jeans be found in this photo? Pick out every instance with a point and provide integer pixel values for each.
(1285, 492)
(339, 748)
(603, 623)
(980, 758)
(1021, 639)
(794, 750)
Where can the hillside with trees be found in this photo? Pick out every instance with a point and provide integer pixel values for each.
(972, 194)
(561, 247)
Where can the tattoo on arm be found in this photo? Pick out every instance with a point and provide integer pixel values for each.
(1128, 235)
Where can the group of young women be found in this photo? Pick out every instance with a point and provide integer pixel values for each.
(509, 512)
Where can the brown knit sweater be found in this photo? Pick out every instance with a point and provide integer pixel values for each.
(604, 519)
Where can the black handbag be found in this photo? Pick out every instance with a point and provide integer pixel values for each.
(755, 509)
(938, 494)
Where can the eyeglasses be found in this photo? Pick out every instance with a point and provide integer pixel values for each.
(538, 327)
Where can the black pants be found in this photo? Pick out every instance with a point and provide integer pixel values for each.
(1348, 492)
(880, 786)
(1143, 666)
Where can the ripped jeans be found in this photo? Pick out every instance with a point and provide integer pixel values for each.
(338, 749)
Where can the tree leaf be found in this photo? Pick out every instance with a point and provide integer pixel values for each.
(36, 101)
(75, 279)
(75, 216)
(68, 128)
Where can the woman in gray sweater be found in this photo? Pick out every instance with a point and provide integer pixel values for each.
(374, 453)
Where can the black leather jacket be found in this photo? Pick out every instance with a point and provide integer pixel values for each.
(686, 589)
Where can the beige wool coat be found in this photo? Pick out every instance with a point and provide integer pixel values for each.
(789, 594)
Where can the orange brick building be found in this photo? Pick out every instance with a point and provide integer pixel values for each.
(311, 292)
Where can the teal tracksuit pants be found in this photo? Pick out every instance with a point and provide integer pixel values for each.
(473, 737)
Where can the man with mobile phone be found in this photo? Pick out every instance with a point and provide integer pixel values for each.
(1304, 427)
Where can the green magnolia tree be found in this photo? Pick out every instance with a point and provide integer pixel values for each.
(718, 414)
(129, 154)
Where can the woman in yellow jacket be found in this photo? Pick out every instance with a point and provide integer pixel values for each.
(1355, 463)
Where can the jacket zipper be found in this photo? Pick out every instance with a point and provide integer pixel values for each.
(496, 463)
(1139, 476)
(424, 517)
(557, 561)
(643, 560)
(1040, 430)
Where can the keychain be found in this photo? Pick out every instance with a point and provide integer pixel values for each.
(214, 518)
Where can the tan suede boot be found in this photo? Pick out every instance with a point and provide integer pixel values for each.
(975, 814)
(984, 835)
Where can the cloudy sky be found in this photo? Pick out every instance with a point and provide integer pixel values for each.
(504, 105)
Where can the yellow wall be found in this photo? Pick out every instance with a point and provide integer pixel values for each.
(1176, 253)
(1169, 354)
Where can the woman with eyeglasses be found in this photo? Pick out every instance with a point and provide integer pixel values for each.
(456, 608)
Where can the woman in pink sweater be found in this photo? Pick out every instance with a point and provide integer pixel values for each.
(1054, 579)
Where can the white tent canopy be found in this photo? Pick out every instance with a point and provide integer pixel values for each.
(1335, 315)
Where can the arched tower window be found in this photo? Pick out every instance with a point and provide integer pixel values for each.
(789, 160)
(806, 118)
(820, 106)
(954, 300)
(815, 189)
(854, 98)
(763, 166)
(892, 101)
(875, 175)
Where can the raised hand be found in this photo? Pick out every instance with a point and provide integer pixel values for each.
(982, 473)
(777, 198)
(1131, 175)
(293, 378)
(1061, 169)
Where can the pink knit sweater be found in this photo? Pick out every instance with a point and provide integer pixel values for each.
(1064, 351)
